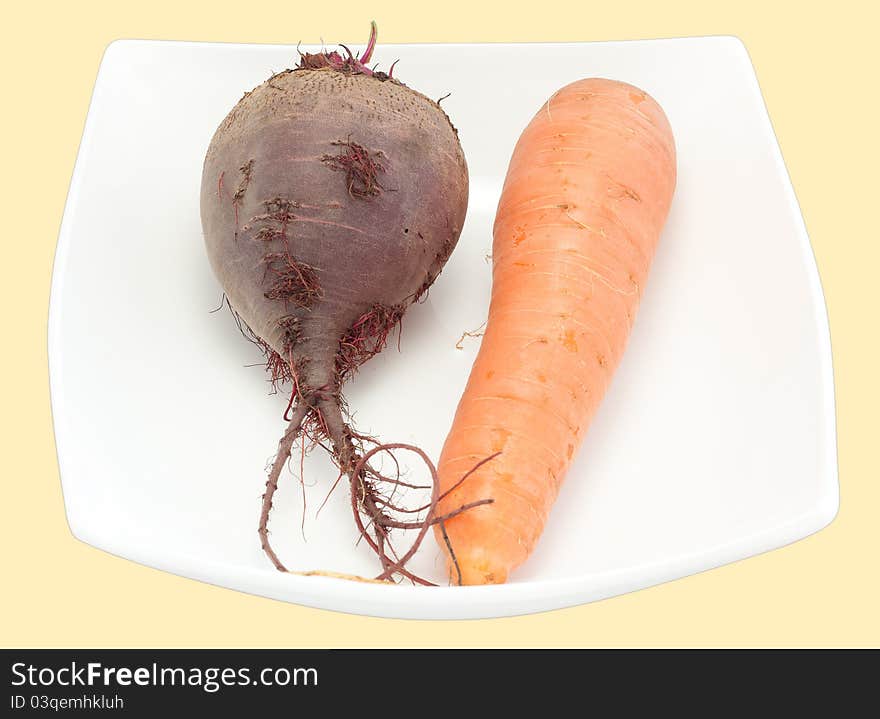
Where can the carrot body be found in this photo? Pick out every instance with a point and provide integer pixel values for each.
(586, 195)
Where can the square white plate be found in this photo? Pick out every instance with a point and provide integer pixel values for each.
(715, 442)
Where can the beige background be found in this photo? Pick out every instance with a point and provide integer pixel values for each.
(818, 71)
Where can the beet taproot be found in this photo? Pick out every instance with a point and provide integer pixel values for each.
(332, 196)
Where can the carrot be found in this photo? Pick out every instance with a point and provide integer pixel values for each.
(586, 195)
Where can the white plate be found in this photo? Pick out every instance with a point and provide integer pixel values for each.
(715, 442)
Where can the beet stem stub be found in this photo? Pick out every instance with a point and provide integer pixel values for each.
(371, 45)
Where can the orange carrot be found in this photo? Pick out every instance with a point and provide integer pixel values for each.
(585, 198)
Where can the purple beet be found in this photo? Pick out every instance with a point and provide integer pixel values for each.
(332, 196)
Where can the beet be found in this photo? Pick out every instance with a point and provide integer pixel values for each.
(332, 195)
